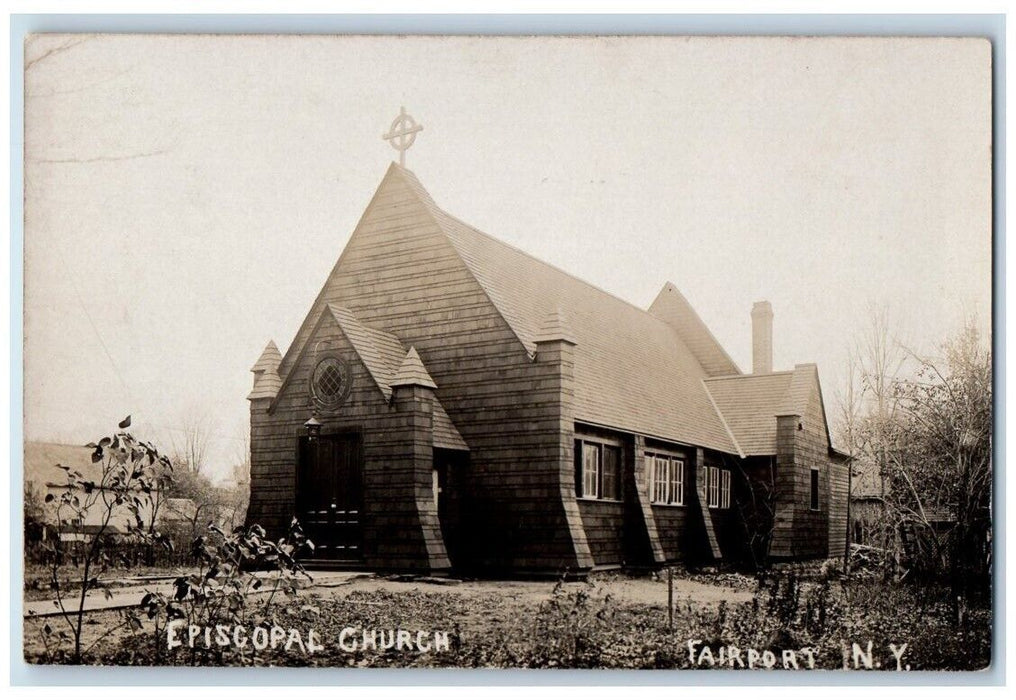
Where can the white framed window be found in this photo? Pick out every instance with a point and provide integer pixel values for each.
(713, 486)
(598, 470)
(610, 473)
(724, 488)
(718, 487)
(661, 467)
(666, 482)
(676, 481)
(590, 470)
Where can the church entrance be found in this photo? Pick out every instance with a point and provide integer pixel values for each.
(329, 497)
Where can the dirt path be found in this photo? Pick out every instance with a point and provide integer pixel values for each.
(129, 596)
(644, 591)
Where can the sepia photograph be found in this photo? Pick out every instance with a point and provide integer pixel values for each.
(511, 352)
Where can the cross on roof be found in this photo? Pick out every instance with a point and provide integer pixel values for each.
(402, 134)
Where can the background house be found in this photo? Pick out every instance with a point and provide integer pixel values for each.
(43, 476)
(875, 526)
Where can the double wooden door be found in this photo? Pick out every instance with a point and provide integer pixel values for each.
(330, 495)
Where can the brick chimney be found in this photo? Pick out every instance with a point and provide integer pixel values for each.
(761, 338)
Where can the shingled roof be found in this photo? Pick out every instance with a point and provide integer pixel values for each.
(749, 404)
(632, 369)
(671, 306)
(635, 370)
(380, 352)
(411, 372)
(266, 374)
(42, 458)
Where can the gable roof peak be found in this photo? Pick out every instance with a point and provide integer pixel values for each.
(270, 359)
(412, 372)
(645, 381)
(410, 179)
(673, 308)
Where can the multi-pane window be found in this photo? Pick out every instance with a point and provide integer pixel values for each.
(598, 470)
(590, 470)
(718, 487)
(666, 479)
(713, 486)
(610, 472)
(814, 488)
(661, 478)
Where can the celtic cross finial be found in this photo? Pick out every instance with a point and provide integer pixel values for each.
(402, 134)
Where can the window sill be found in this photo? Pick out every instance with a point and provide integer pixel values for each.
(656, 504)
(590, 499)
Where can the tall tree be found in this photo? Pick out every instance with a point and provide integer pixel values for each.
(191, 440)
(869, 419)
(924, 423)
(947, 465)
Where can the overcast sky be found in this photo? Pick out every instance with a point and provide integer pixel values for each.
(186, 197)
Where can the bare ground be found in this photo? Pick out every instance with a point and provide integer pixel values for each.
(644, 590)
(486, 600)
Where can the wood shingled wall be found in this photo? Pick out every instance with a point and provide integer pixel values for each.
(801, 532)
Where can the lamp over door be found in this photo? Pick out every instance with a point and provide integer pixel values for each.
(313, 427)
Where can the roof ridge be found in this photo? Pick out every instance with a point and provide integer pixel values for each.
(430, 206)
(495, 239)
(546, 264)
(429, 202)
(748, 376)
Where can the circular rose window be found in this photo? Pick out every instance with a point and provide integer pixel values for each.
(330, 383)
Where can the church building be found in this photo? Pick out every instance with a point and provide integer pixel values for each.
(452, 404)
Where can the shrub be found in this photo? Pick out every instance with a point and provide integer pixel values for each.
(239, 577)
(130, 472)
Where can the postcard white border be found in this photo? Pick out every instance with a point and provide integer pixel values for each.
(991, 27)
